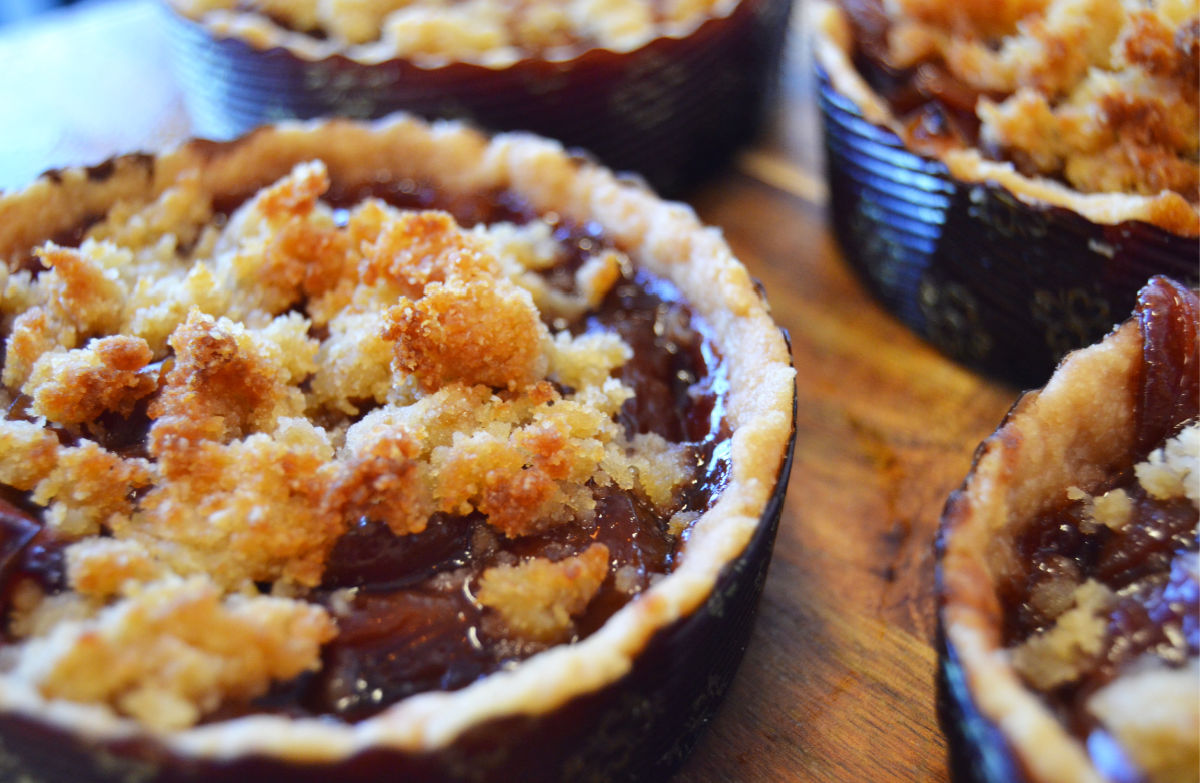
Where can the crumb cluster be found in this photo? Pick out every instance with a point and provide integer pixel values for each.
(293, 368)
(1101, 94)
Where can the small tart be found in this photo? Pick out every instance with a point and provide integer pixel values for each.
(666, 90)
(1002, 187)
(374, 447)
(434, 32)
(1087, 105)
(1068, 568)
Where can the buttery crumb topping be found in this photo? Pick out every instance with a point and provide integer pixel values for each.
(1098, 93)
(298, 368)
(1149, 703)
(491, 31)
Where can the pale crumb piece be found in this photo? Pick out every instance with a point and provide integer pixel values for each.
(627, 579)
(34, 613)
(88, 488)
(34, 332)
(653, 463)
(1173, 471)
(80, 286)
(27, 453)
(178, 216)
(176, 650)
(680, 522)
(102, 567)
(1154, 713)
(1060, 654)
(353, 364)
(1055, 594)
(587, 359)
(1113, 509)
(79, 385)
(538, 598)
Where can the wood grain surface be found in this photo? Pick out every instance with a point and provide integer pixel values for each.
(838, 682)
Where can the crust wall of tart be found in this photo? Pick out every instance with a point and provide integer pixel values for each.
(833, 49)
(438, 44)
(1074, 432)
(664, 238)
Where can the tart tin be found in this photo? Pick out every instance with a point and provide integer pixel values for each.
(635, 726)
(672, 110)
(999, 283)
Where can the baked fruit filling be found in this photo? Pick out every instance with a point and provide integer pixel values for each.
(1103, 619)
(488, 31)
(1097, 94)
(311, 450)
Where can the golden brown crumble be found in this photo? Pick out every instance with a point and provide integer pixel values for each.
(1101, 94)
(174, 650)
(296, 372)
(537, 598)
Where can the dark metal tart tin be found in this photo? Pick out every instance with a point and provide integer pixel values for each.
(640, 727)
(995, 282)
(672, 110)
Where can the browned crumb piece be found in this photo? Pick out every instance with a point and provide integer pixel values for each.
(477, 332)
(104, 566)
(79, 287)
(221, 386)
(177, 650)
(538, 598)
(79, 385)
(414, 249)
(88, 487)
(385, 483)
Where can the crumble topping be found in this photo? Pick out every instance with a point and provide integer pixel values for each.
(1064, 651)
(175, 649)
(490, 31)
(201, 407)
(538, 597)
(1124, 650)
(1099, 94)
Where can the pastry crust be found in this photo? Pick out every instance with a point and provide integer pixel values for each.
(494, 33)
(665, 239)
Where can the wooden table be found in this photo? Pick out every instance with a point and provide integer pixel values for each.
(838, 683)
